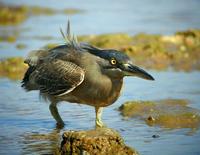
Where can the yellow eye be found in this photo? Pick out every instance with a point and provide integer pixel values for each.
(113, 61)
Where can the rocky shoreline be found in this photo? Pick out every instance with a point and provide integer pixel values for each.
(179, 52)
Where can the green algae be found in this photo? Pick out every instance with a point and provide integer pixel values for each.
(108, 40)
(179, 51)
(37, 10)
(8, 38)
(99, 141)
(49, 46)
(13, 68)
(14, 15)
(167, 113)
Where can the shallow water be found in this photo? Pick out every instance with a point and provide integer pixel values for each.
(26, 126)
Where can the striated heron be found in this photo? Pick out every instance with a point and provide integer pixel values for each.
(79, 73)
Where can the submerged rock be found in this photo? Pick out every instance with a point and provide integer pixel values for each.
(167, 113)
(95, 142)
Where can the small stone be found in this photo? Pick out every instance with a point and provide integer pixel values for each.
(21, 46)
(155, 136)
(150, 118)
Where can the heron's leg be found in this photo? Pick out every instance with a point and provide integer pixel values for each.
(98, 121)
(54, 111)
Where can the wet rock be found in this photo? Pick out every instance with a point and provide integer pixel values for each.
(155, 136)
(95, 142)
(169, 113)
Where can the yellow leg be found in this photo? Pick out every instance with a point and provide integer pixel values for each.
(98, 121)
(54, 111)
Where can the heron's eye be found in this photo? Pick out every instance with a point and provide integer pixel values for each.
(113, 61)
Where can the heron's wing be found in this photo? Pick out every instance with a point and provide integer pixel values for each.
(58, 77)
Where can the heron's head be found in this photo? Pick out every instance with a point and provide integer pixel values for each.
(115, 64)
(118, 63)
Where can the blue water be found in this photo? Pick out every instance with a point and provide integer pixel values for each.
(23, 115)
(26, 126)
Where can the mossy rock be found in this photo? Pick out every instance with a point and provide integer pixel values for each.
(13, 15)
(13, 68)
(168, 113)
(49, 46)
(99, 141)
(107, 40)
(179, 51)
(9, 38)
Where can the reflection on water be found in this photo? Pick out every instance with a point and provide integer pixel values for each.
(27, 126)
(47, 143)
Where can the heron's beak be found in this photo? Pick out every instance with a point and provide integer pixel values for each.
(131, 70)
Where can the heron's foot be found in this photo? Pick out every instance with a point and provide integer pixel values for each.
(60, 125)
(100, 124)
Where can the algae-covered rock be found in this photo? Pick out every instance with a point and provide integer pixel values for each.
(13, 68)
(9, 38)
(37, 10)
(94, 142)
(116, 41)
(179, 51)
(12, 15)
(165, 113)
(49, 46)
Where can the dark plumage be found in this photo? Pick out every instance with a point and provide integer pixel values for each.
(79, 73)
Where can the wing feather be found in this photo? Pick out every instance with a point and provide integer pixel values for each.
(58, 77)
